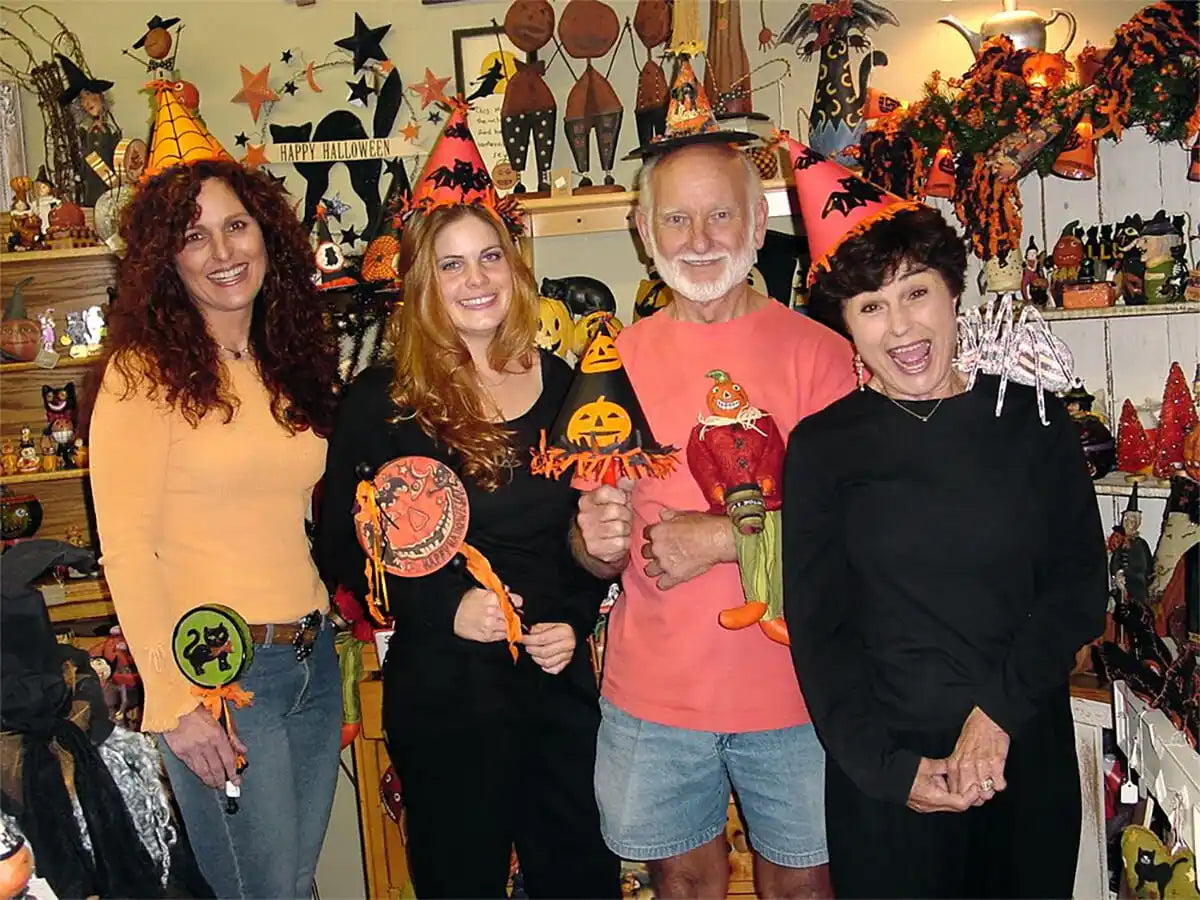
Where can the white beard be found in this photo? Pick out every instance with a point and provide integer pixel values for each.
(736, 268)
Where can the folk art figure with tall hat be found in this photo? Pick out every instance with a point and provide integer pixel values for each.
(690, 119)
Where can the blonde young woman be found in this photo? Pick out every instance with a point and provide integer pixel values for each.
(490, 754)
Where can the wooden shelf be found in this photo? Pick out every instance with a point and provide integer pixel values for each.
(85, 598)
(64, 362)
(1115, 485)
(594, 213)
(1111, 312)
(32, 477)
(13, 257)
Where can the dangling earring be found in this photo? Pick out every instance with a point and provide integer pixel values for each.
(858, 370)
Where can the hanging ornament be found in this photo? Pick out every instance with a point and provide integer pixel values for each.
(1077, 161)
(255, 90)
(766, 37)
(940, 181)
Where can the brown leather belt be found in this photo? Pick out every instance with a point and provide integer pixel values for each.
(300, 635)
(275, 634)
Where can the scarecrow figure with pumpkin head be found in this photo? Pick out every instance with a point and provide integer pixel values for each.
(735, 453)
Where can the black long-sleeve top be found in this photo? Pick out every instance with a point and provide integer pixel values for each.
(435, 678)
(931, 567)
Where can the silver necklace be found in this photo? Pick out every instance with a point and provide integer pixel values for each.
(916, 415)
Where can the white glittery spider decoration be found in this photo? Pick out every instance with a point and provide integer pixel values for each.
(996, 340)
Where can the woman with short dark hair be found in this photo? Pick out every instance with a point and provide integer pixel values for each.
(943, 561)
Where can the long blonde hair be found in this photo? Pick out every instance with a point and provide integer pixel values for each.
(435, 380)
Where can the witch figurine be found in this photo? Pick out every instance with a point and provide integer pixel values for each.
(652, 25)
(588, 29)
(98, 132)
(1131, 561)
(528, 111)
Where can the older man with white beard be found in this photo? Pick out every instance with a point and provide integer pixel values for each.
(691, 709)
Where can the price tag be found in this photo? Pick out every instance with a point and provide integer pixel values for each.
(1129, 793)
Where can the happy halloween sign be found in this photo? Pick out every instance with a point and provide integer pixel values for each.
(338, 151)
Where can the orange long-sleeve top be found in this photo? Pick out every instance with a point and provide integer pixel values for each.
(207, 514)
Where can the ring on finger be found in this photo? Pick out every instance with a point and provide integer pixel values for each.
(987, 785)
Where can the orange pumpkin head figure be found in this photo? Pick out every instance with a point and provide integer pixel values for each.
(555, 328)
(726, 398)
(600, 424)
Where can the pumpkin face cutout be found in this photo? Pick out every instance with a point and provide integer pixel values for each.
(586, 328)
(1191, 454)
(599, 424)
(422, 514)
(601, 355)
(726, 398)
(554, 326)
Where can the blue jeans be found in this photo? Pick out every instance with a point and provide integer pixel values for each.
(663, 791)
(292, 733)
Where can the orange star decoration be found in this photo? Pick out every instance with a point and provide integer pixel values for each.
(255, 90)
(411, 131)
(432, 89)
(255, 156)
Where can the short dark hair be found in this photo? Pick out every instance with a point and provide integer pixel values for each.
(870, 260)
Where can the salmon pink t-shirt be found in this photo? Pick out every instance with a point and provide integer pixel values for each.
(667, 659)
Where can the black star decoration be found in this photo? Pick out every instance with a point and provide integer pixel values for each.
(360, 90)
(280, 180)
(241, 139)
(364, 43)
(435, 116)
(350, 236)
(289, 87)
(285, 56)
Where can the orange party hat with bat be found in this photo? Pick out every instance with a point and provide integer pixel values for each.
(455, 175)
(835, 204)
(179, 138)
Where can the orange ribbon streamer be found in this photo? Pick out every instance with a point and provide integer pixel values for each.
(482, 571)
(376, 576)
(215, 700)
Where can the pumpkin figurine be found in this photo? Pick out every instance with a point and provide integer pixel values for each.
(601, 431)
(1191, 454)
(555, 328)
(735, 452)
(20, 336)
(529, 110)
(588, 29)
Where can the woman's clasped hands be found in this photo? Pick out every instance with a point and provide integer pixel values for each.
(480, 618)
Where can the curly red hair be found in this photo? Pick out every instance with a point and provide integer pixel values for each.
(156, 332)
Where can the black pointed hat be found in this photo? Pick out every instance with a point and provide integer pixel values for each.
(1132, 505)
(601, 429)
(156, 21)
(78, 82)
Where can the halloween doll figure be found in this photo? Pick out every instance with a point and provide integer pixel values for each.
(529, 110)
(727, 68)
(588, 29)
(98, 132)
(735, 453)
(652, 25)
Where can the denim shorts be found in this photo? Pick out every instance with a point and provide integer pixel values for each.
(663, 791)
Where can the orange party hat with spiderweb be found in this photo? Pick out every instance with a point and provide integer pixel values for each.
(179, 138)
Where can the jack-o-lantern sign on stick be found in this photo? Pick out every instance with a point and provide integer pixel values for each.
(601, 431)
(411, 518)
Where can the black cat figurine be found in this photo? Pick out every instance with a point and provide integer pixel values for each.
(1148, 871)
(581, 293)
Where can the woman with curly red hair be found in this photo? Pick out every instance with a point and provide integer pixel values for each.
(490, 754)
(207, 438)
